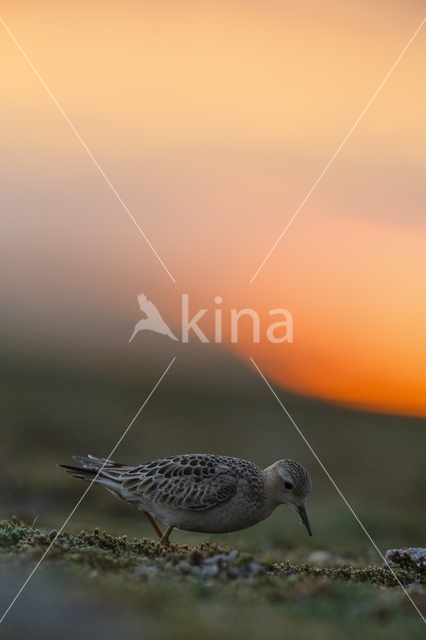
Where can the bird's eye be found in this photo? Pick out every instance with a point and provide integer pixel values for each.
(288, 485)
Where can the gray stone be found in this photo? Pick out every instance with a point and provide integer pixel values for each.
(414, 556)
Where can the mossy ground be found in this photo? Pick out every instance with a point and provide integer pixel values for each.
(215, 592)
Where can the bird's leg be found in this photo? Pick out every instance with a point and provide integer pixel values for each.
(165, 537)
(154, 524)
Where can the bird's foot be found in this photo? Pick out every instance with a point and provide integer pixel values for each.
(165, 537)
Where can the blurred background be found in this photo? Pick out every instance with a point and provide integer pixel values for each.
(212, 121)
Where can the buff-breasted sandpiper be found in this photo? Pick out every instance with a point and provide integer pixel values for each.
(200, 492)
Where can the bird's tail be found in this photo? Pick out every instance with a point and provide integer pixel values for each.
(170, 334)
(99, 470)
(133, 334)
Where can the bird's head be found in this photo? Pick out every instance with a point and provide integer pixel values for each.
(289, 483)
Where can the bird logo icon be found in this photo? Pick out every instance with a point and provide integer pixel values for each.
(153, 321)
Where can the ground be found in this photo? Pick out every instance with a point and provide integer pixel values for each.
(136, 589)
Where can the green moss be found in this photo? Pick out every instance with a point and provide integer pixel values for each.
(184, 593)
(145, 559)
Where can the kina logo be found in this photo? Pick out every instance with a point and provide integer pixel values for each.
(154, 322)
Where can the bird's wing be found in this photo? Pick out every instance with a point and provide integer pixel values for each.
(149, 308)
(193, 482)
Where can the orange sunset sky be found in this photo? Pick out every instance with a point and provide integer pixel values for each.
(213, 120)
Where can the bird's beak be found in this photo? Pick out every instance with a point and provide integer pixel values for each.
(301, 510)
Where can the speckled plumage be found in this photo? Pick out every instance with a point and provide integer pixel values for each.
(201, 492)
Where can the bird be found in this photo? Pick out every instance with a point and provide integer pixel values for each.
(153, 321)
(201, 492)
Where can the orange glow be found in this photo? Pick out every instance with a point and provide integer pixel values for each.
(213, 121)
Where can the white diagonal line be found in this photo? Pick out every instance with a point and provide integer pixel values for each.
(341, 145)
(343, 497)
(80, 501)
(84, 145)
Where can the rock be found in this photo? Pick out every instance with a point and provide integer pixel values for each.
(412, 559)
(320, 559)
